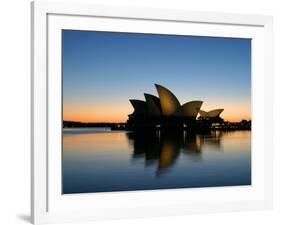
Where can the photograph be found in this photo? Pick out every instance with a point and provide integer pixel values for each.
(147, 111)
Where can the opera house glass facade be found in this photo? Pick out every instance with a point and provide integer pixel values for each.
(154, 111)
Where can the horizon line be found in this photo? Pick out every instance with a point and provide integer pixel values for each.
(100, 122)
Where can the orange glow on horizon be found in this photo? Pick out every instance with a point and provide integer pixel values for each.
(118, 113)
(88, 113)
(87, 118)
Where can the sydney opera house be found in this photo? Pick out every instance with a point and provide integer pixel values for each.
(166, 111)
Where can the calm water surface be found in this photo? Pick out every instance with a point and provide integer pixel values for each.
(101, 160)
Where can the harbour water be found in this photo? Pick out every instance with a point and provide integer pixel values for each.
(101, 160)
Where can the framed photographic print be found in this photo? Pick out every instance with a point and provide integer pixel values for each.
(149, 112)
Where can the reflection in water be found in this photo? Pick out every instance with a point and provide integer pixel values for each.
(99, 160)
(164, 149)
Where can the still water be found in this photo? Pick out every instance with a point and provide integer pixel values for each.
(101, 160)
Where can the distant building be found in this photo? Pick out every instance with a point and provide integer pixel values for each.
(166, 111)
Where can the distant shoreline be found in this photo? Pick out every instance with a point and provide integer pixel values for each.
(82, 125)
(74, 124)
(223, 126)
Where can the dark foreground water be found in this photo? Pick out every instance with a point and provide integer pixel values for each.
(100, 160)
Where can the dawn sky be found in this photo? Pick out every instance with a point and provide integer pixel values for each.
(103, 70)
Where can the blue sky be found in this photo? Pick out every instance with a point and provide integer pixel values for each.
(103, 70)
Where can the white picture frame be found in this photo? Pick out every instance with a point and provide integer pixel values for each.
(47, 203)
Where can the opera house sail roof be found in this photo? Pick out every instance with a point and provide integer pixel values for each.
(169, 102)
(168, 106)
(189, 109)
(139, 106)
(211, 114)
(153, 105)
